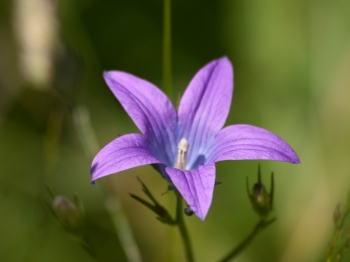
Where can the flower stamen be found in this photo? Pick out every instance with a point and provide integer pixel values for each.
(181, 159)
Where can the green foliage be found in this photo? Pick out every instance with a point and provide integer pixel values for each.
(340, 241)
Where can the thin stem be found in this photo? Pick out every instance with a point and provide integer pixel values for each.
(182, 227)
(340, 216)
(166, 68)
(89, 141)
(122, 225)
(245, 243)
(167, 47)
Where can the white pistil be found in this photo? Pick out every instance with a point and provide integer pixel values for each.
(181, 159)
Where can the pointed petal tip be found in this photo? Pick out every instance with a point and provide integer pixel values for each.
(201, 216)
(112, 74)
(125, 152)
(293, 157)
(225, 59)
(200, 213)
(296, 160)
(106, 74)
(196, 187)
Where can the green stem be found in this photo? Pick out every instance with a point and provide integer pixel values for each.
(89, 141)
(124, 232)
(182, 227)
(245, 243)
(167, 47)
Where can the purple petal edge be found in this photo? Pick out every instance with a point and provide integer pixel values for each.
(246, 142)
(149, 108)
(123, 153)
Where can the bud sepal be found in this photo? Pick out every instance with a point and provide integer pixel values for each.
(163, 214)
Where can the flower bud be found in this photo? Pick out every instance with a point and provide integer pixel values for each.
(261, 200)
(68, 215)
(188, 211)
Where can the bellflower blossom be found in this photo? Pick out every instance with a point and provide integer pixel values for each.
(184, 145)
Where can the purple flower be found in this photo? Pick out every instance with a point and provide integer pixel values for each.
(185, 145)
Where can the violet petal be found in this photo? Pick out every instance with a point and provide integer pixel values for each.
(246, 142)
(196, 187)
(123, 153)
(150, 109)
(204, 107)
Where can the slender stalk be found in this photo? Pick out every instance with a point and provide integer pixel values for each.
(182, 227)
(245, 243)
(334, 252)
(167, 47)
(171, 237)
(124, 232)
(166, 68)
(89, 141)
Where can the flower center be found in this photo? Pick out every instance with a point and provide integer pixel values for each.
(181, 159)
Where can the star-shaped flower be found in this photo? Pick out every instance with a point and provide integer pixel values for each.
(184, 145)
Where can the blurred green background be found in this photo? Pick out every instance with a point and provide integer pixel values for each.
(292, 77)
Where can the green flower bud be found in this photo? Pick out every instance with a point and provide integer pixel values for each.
(68, 215)
(261, 200)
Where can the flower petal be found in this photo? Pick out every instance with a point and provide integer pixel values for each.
(243, 142)
(204, 106)
(123, 153)
(150, 109)
(196, 186)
